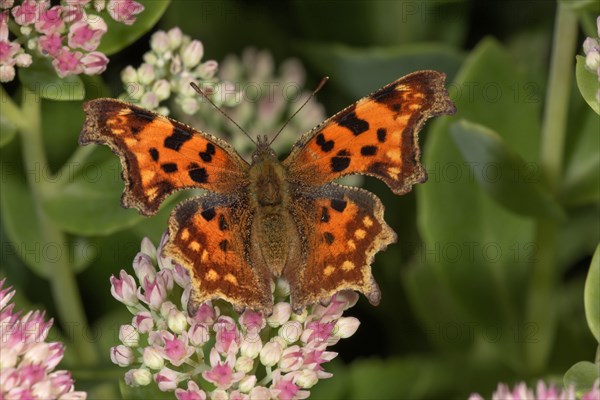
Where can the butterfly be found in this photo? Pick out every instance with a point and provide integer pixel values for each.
(271, 218)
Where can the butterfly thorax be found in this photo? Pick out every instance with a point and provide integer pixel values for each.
(272, 227)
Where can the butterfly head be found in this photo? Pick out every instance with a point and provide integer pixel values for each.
(263, 151)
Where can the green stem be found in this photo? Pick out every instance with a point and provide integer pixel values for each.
(542, 299)
(62, 280)
(73, 165)
(10, 110)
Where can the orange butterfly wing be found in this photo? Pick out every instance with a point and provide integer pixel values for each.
(377, 136)
(160, 155)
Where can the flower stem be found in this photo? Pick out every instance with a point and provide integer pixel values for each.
(62, 280)
(541, 305)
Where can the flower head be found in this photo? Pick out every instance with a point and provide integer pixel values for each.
(27, 361)
(591, 48)
(68, 33)
(542, 391)
(239, 355)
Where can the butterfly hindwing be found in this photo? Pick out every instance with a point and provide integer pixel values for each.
(376, 136)
(160, 155)
(209, 236)
(343, 228)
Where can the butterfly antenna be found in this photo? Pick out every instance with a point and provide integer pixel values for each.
(203, 94)
(319, 87)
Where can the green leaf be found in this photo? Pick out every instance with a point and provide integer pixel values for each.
(41, 78)
(581, 182)
(591, 295)
(19, 218)
(588, 84)
(7, 131)
(120, 35)
(481, 251)
(413, 377)
(581, 375)
(365, 70)
(89, 204)
(502, 173)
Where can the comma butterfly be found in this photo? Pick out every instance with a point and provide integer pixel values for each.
(269, 218)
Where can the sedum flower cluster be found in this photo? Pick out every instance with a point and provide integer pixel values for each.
(541, 392)
(67, 33)
(591, 48)
(218, 353)
(27, 361)
(173, 62)
(246, 87)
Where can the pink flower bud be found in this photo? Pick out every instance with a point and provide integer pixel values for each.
(290, 331)
(94, 63)
(7, 73)
(219, 394)
(177, 321)
(50, 44)
(87, 33)
(68, 63)
(138, 377)
(175, 37)
(251, 346)
(142, 265)
(124, 288)
(124, 10)
(192, 54)
(129, 336)
(244, 364)
(260, 393)
(247, 383)
(271, 354)
(208, 69)
(25, 13)
(198, 334)
(281, 314)
(159, 42)
(129, 75)
(346, 327)
(153, 358)
(122, 355)
(146, 74)
(166, 379)
(162, 88)
(306, 378)
(143, 321)
(23, 60)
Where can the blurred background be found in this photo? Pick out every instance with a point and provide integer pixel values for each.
(486, 281)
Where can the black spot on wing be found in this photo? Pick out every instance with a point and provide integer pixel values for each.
(328, 237)
(207, 155)
(224, 245)
(326, 145)
(381, 134)
(352, 122)
(198, 175)
(169, 167)
(338, 205)
(223, 225)
(339, 164)
(177, 139)
(325, 215)
(368, 150)
(208, 214)
(153, 153)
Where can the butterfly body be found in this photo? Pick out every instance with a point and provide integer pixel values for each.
(272, 218)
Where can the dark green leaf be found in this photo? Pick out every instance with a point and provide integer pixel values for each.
(120, 35)
(588, 84)
(592, 295)
(502, 173)
(581, 182)
(21, 222)
(41, 78)
(365, 70)
(480, 250)
(582, 375)
(7, 131)
(408, 378)
(90, 203)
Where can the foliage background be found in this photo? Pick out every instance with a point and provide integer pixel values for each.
(486, 282)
